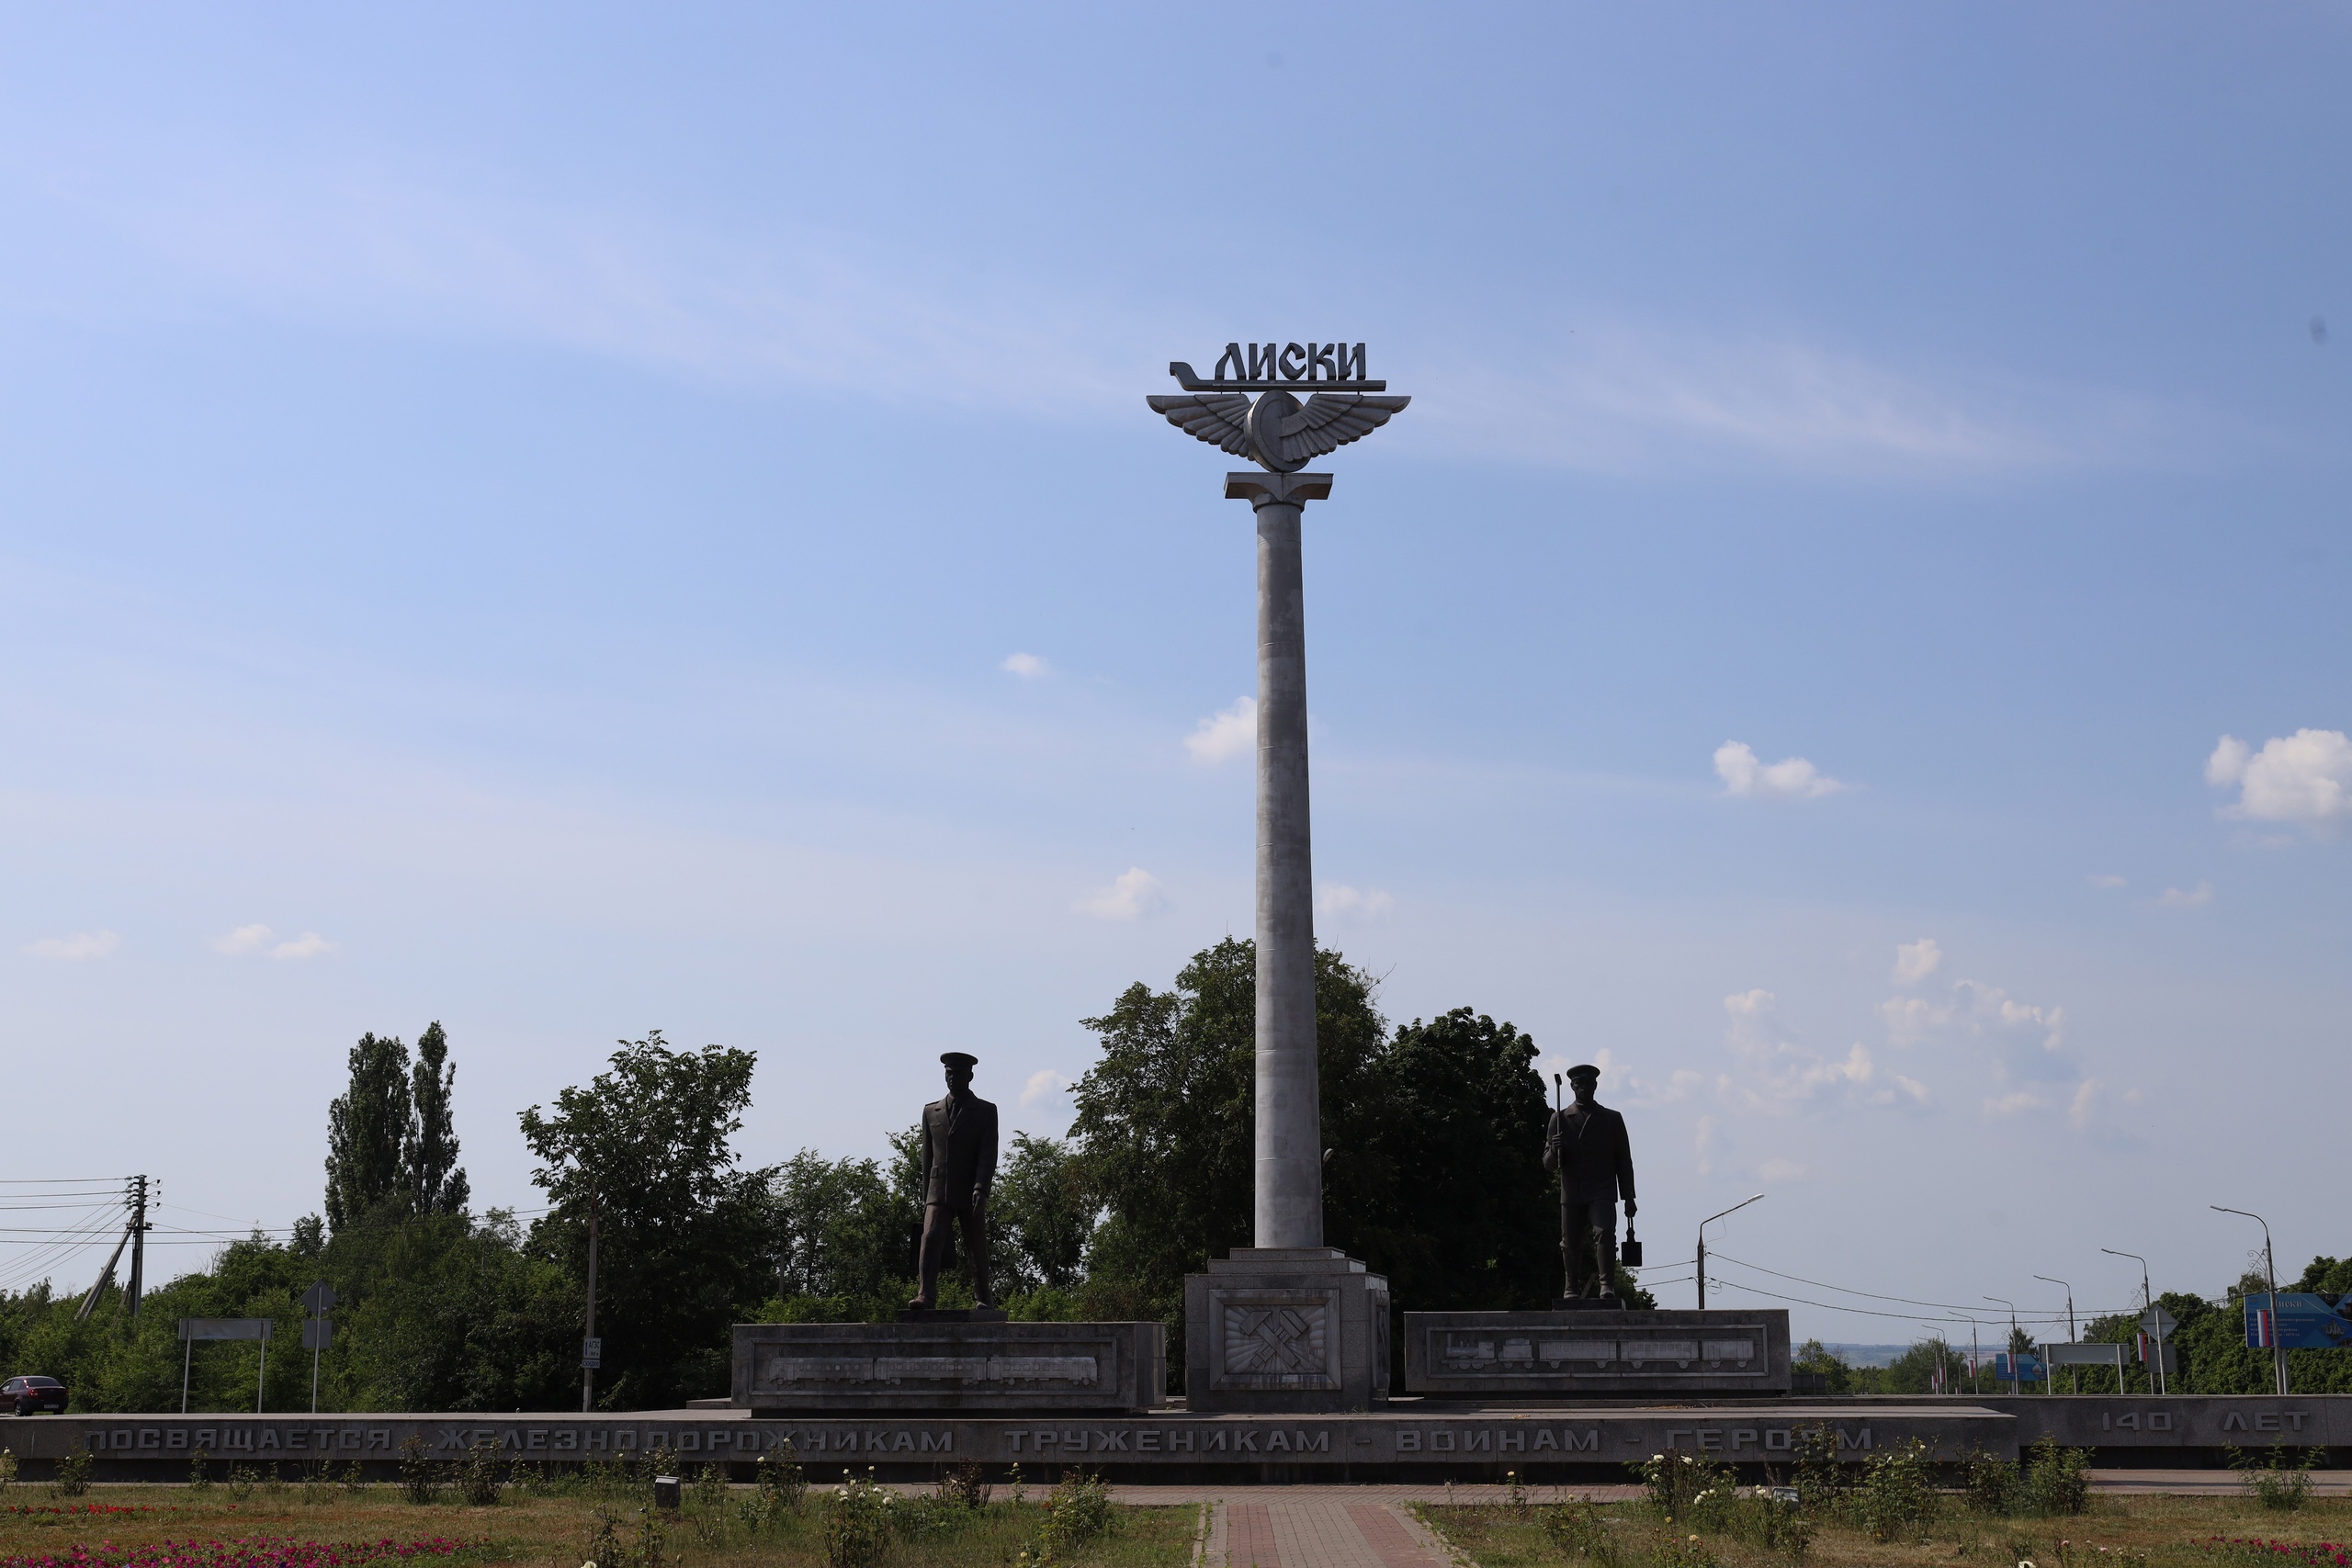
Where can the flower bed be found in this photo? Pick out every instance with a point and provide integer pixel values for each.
(260, 1551)
(21, 1510)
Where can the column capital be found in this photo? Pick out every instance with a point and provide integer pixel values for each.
(1261, 489)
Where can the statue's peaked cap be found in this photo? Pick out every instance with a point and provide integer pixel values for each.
(959, 1058)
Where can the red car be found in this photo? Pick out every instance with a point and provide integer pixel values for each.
(29, 1394)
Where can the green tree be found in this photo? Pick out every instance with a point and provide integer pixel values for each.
(687, 1236)
(1040, 1216)
(437, 1183)
(1436, 1164)
(844, 1248)
(368, 1132)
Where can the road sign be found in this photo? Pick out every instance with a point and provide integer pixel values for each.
(320, 1297)
(317, 1332)
(2158, 1322)
(194, 1328)
(591, 1354)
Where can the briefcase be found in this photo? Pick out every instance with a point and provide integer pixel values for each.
(1630, 1255)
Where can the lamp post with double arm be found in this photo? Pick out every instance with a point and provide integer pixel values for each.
(2271, 1275)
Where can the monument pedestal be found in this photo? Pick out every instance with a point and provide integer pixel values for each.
(948, 1361)
(1285, 1330)
(1594, 1351)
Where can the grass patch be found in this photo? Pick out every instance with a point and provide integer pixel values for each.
(731, 1526)
(2112, 1532)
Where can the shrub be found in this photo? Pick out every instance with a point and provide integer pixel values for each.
(478, 1480)
(781, 1485)
(967, 1483)
(200, 1470)
(1990, 1482)
(2057, 1481)
(420, 1478)
(1896, 1496)
(355, 1480)
(1820, 1480)
(1767, 1521)
(272, 1482)
(72, 1475)
(1679, 1550)
(2275, 1484)
(606, 1549)
(241, 1482)
(1676, 1480)
(1079, 1511)
(8, 1469)
(858, 1524)
(710, 1489)
(1576, 1531)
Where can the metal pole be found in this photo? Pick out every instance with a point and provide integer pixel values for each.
(2271, 1275)
(2011, 1350)
(188, 1350)
(2075, 1372)
(1288, 1211)
(314, 1373)
(1710, 1219)
(261, 1377)
(2147, 1301)
(138, 1242)
(587, 1372)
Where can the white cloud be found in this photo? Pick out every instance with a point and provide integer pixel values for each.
(1227, 733)
(2104, 879)
(2011, 1104)
(2192, 898)
(1914, 961)
(1043, 1084)
(2304, 777)
(247, 940)
(1132, 894)
(75, 948)
(244, 940)
(310, 944)
(1781, 1171)
(1337, 900)
(1028, 666)
(1780, 1074)
(1792, 778)
(2079, 1111)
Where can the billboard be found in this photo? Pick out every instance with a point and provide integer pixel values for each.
(2019, 1368)
(2301, 1320)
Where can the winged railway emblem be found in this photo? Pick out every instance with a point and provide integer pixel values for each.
(1277, 431)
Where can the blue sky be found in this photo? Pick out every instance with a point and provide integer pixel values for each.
(528, 518)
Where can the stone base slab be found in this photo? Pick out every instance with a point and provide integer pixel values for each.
(1399, 1443)
(1584, 1352)
(1288, 1329)
(944, 1364)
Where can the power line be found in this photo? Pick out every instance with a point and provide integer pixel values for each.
(1872, 1295)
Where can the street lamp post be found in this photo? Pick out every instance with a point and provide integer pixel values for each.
(2271, 1275)
(2147, 1301)
(2014, 1369)
(1710, 1219)
(2077, 1372)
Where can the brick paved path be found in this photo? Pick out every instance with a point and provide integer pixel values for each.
(1317, 1533)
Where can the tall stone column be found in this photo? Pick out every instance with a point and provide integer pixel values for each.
(1289, 1185)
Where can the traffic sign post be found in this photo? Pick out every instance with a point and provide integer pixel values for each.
(591, 1354)
(318, 1299)
(2157, 1324)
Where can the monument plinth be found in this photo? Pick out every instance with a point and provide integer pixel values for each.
(940, 1364)
(1522, 1355)
(1272, 1329)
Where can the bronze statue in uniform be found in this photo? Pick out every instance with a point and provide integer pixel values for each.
(1585, 1144)
(958, 1168)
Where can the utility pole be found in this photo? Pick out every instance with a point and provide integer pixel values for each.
(2075, 1372)
(138, 1242)
(1710, 1219)
(2271, 1274)
(2147, 1301)
(591, 1348)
